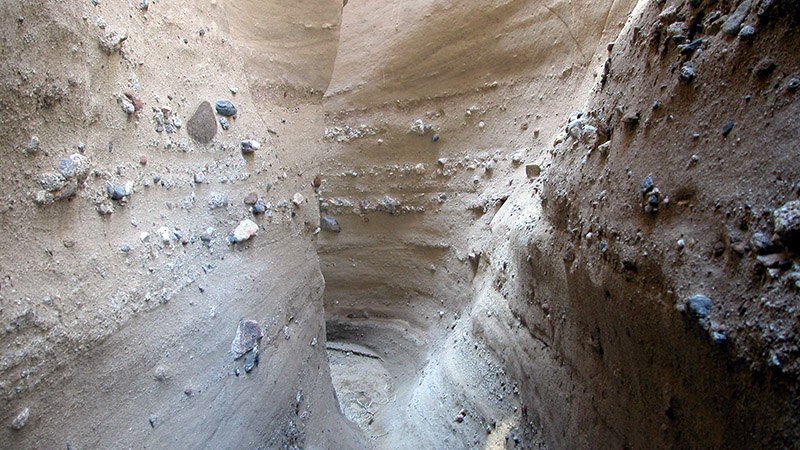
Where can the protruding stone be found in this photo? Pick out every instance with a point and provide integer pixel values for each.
(298, 199)
(251, 360)
(259, 207)
(251, 199)
(732, 26)
(21, 419)
(165, 234)
(225, 108)
(699, 307)
(533, 170)
(52, 181)
(217, 200)
(250, 145)
(646, 185)
(329, 224)
(245, 230)
(687, 73)
(419, 127)
(202, 126)
(762, 244)
(161, 373)
(248, 332)
(787, 223)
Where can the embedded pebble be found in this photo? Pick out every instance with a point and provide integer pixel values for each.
(727, 128)
(732, 26)
(127, 107)
(329, 224)
(747, 32)
(765, 67)
(259, 207)
(161, 373)
(419, 127)
(21, 419)
(762, 244)
(52, 181)
(687, 73)
(199, 177)
(250, 145)
(251, 360)
(248, 332)
(298, 199)
(251, 199)
(202, 126)
(787, 222)
(225, 108)
(699, 306)
(217, 200)
(33, 145)
(646, 185)
(165, 234)
(245, 230)
(224, 123)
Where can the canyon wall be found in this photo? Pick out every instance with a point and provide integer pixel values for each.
(119, 305)
(503, 224)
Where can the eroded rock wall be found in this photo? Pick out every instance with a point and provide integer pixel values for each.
(118, 306)
(576, 280)
(672, 194)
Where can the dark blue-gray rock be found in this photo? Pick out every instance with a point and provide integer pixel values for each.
(690, 48)
(727, 128)
(225, 108)
(118, 193)
(125, 248)
(646, 185)
(765, 6)
(699, 307)
(66, 167)
(202, 126)
(787, 223)
(329, 224)
(435, 137)
(747, 32)
(765, 67)
(251, 360)
(762, 244)
(719, 338)
(794, 83)
(259, 207)
(732, 26)
(653, 201)
(687, 73)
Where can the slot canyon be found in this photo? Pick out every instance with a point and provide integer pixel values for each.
(428, 224)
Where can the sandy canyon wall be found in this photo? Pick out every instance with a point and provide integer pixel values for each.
(591, 240)
(118, 307)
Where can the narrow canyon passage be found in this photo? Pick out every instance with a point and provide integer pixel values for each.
(420, 224)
